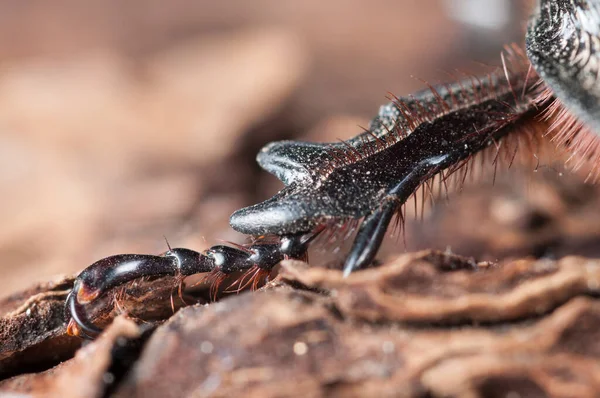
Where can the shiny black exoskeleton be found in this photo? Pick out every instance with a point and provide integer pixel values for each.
(368, 178)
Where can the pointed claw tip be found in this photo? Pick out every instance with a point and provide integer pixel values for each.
(347, 272)
(268, 217)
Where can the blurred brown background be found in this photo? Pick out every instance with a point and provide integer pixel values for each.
(123, 121)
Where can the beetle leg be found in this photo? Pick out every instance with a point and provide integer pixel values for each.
(113, 271)
(219, 260)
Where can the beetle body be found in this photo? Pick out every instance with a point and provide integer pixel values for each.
(366, 180)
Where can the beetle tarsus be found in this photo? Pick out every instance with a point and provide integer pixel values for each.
(106, 274)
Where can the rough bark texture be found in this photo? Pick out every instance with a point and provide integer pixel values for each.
(426, 324)
(32, 329)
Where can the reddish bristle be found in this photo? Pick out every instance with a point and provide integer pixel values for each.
(247, 278)
(571, 134)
